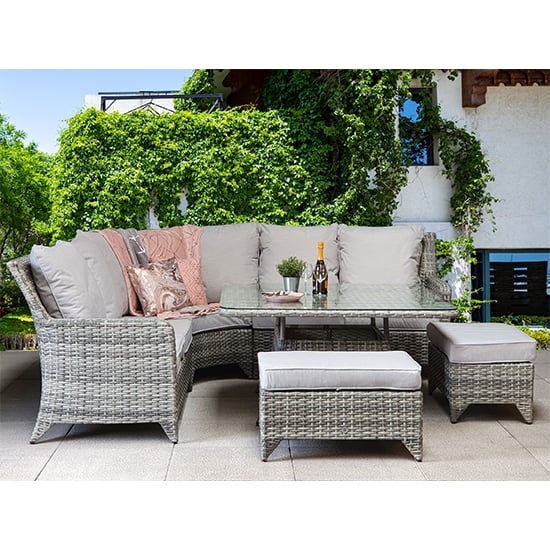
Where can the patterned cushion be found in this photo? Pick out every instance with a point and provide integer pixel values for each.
(159, 287)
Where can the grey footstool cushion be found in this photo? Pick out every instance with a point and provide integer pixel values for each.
(340, 395)
(481, 363)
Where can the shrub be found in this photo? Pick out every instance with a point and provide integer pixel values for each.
(291, 267)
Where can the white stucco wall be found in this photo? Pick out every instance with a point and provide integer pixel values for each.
(514, 128)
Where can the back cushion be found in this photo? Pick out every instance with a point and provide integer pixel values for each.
(106, 271)
(229, 254)
(65, 282)
(380, 255)
(278, 242)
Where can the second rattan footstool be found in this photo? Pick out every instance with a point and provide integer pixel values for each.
(481, 363)
(340, 395)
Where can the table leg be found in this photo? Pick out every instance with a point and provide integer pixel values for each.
(280, 330)
(387, 329)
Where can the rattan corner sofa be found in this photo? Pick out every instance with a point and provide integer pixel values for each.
(102, 365)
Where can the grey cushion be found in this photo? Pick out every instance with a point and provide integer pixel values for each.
(106, 271)
(482, 342)
(380, 255)
(65, 283)
(229, 254)
(182, 332)
(348, 370)
(214, 321)
(278, 242)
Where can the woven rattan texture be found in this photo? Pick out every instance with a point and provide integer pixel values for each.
(334, 338)
(105, 370)
(224, 347)
(414, 342)
(341, 415)
(464, 384)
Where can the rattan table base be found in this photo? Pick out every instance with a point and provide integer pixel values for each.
(333, 338)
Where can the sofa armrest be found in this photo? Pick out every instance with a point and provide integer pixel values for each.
(438, 286)
(107, 345)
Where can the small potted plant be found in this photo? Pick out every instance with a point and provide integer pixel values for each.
(291, 270)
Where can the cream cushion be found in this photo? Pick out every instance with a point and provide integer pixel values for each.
(482, 342)
(229, 255)
(380, 255)
(65, 282)
(337, 370)
(278, 242)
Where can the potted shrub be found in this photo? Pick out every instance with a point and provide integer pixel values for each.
(291, 270)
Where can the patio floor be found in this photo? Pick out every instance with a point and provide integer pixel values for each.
(219, 440)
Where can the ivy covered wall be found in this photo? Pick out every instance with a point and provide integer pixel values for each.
(325, 147)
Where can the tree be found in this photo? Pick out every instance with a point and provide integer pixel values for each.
(24, 204)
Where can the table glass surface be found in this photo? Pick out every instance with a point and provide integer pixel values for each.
(356, 299)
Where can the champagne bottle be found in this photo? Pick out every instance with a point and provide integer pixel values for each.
(320, 273)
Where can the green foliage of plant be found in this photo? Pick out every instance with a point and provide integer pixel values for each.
(533, 325)
(352, 116)
(24, 204)
(200, 82)
(291, 267)
(233, 166)
(541, 335)
(105, 171)
(467, 168)
(18, 321)
(524, 320)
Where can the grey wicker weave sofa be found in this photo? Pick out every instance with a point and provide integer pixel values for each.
(101, 365)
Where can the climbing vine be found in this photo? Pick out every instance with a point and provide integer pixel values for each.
(467, 168)
(323, 146)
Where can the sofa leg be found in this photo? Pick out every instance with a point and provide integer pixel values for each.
(268, 446)
(171, 430)
(40, 428)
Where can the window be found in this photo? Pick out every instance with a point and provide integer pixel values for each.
(417, 144)
(516, 281)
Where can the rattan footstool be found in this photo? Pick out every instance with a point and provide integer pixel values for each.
(488, 363)
(340, 395)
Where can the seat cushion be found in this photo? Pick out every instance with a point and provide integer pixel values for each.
(183, 334)
(482, 342)
(380, 255)
(216, 321)
(338, 370)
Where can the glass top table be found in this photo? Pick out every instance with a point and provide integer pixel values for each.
(348, 300)
(344, 300)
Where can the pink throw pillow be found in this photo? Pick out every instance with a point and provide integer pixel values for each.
(159, 287)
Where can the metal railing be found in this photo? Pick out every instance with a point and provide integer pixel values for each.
(108, 99)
